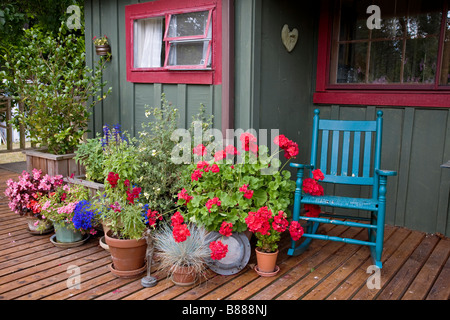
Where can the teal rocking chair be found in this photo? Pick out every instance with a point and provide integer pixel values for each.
(354, 159)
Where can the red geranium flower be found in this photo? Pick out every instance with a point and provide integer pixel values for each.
(212, 201)
(112, 179)
(180, 232)
(184, 195)
(196, 175)
(200, 150)
(218, 250)
(177, 219)
(318, 175)
(312, 210)
(296, 230)
(226, 229)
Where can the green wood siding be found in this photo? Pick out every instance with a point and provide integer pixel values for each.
(273, 89)
(127, 102)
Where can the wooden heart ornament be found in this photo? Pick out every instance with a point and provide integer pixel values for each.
(289, 38)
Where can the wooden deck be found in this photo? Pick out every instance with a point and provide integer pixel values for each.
(416, 266)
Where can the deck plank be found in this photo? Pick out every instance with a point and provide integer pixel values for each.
(415, 266)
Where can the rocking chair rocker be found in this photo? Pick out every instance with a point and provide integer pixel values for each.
(367, 173)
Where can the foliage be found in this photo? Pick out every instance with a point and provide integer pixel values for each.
(120, 154)
(90, 155)
(160, 176)
(100, 41)
(69, 205)
(24, 195)
(52, 79)
(121, 209)
(193, 252)
(267, 228)
(220, 191)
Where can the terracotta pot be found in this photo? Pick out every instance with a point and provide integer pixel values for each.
(127, 255)
(184, 276)
(266, 262)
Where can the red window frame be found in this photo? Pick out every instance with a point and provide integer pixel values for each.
(176, 74)
(388, 95)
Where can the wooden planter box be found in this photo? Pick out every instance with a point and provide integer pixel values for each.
(53, 164)
(92, 186)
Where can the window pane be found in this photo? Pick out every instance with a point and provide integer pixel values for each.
(188, 53)
(403, 50)
(188, 24)
(148, 39)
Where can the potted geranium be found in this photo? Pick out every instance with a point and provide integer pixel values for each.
(268, 228)
(24, 196)
(127, 222)
(73, 217)
(58, 90)
(223, 190)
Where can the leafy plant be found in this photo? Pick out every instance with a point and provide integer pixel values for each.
(100, 41)
(69, 205)
(51, 77)
(220, 190)
(121, 209)
(160, 176)
(120, 154)
(90, 155)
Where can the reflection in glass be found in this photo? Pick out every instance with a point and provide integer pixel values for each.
(403, 51)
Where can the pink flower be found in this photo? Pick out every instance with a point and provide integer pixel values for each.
(200, 150)
(202, 164)
(281, 141)
(218, 250)
(211, 202)
(243, 188)
(219, 155)
(215, 168)
(248, 141)
(184, 195)
(226, 229)
(196, 175)
(232, 150)
(248, 194)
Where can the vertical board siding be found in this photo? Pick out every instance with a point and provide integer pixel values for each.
(128, 101)
(414, 144)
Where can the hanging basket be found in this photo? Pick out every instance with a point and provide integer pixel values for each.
(102, 50)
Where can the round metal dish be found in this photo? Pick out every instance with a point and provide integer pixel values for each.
(238, 253)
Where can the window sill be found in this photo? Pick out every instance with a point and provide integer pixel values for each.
(439, 99)
(173, 76)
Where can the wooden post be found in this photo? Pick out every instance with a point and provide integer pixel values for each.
(8, 125)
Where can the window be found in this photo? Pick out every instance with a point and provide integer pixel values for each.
(407, 56)
(170, 44)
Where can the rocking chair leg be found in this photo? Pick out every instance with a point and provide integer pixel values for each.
(296, 250)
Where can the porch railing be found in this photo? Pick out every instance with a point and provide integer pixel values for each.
(7, 138)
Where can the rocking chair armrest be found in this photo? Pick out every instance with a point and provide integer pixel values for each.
(301, 166)
(385, 172)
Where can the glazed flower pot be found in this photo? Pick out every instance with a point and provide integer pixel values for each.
(266, 262)
(66, 235)
(37, 226)
(128, 256)
(184, 276)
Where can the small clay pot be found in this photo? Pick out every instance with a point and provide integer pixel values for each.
(184, 276)
(266, 261)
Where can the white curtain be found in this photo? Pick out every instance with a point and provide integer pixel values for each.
(148, 42)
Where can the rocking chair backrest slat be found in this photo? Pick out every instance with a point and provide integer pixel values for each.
(349, 151)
